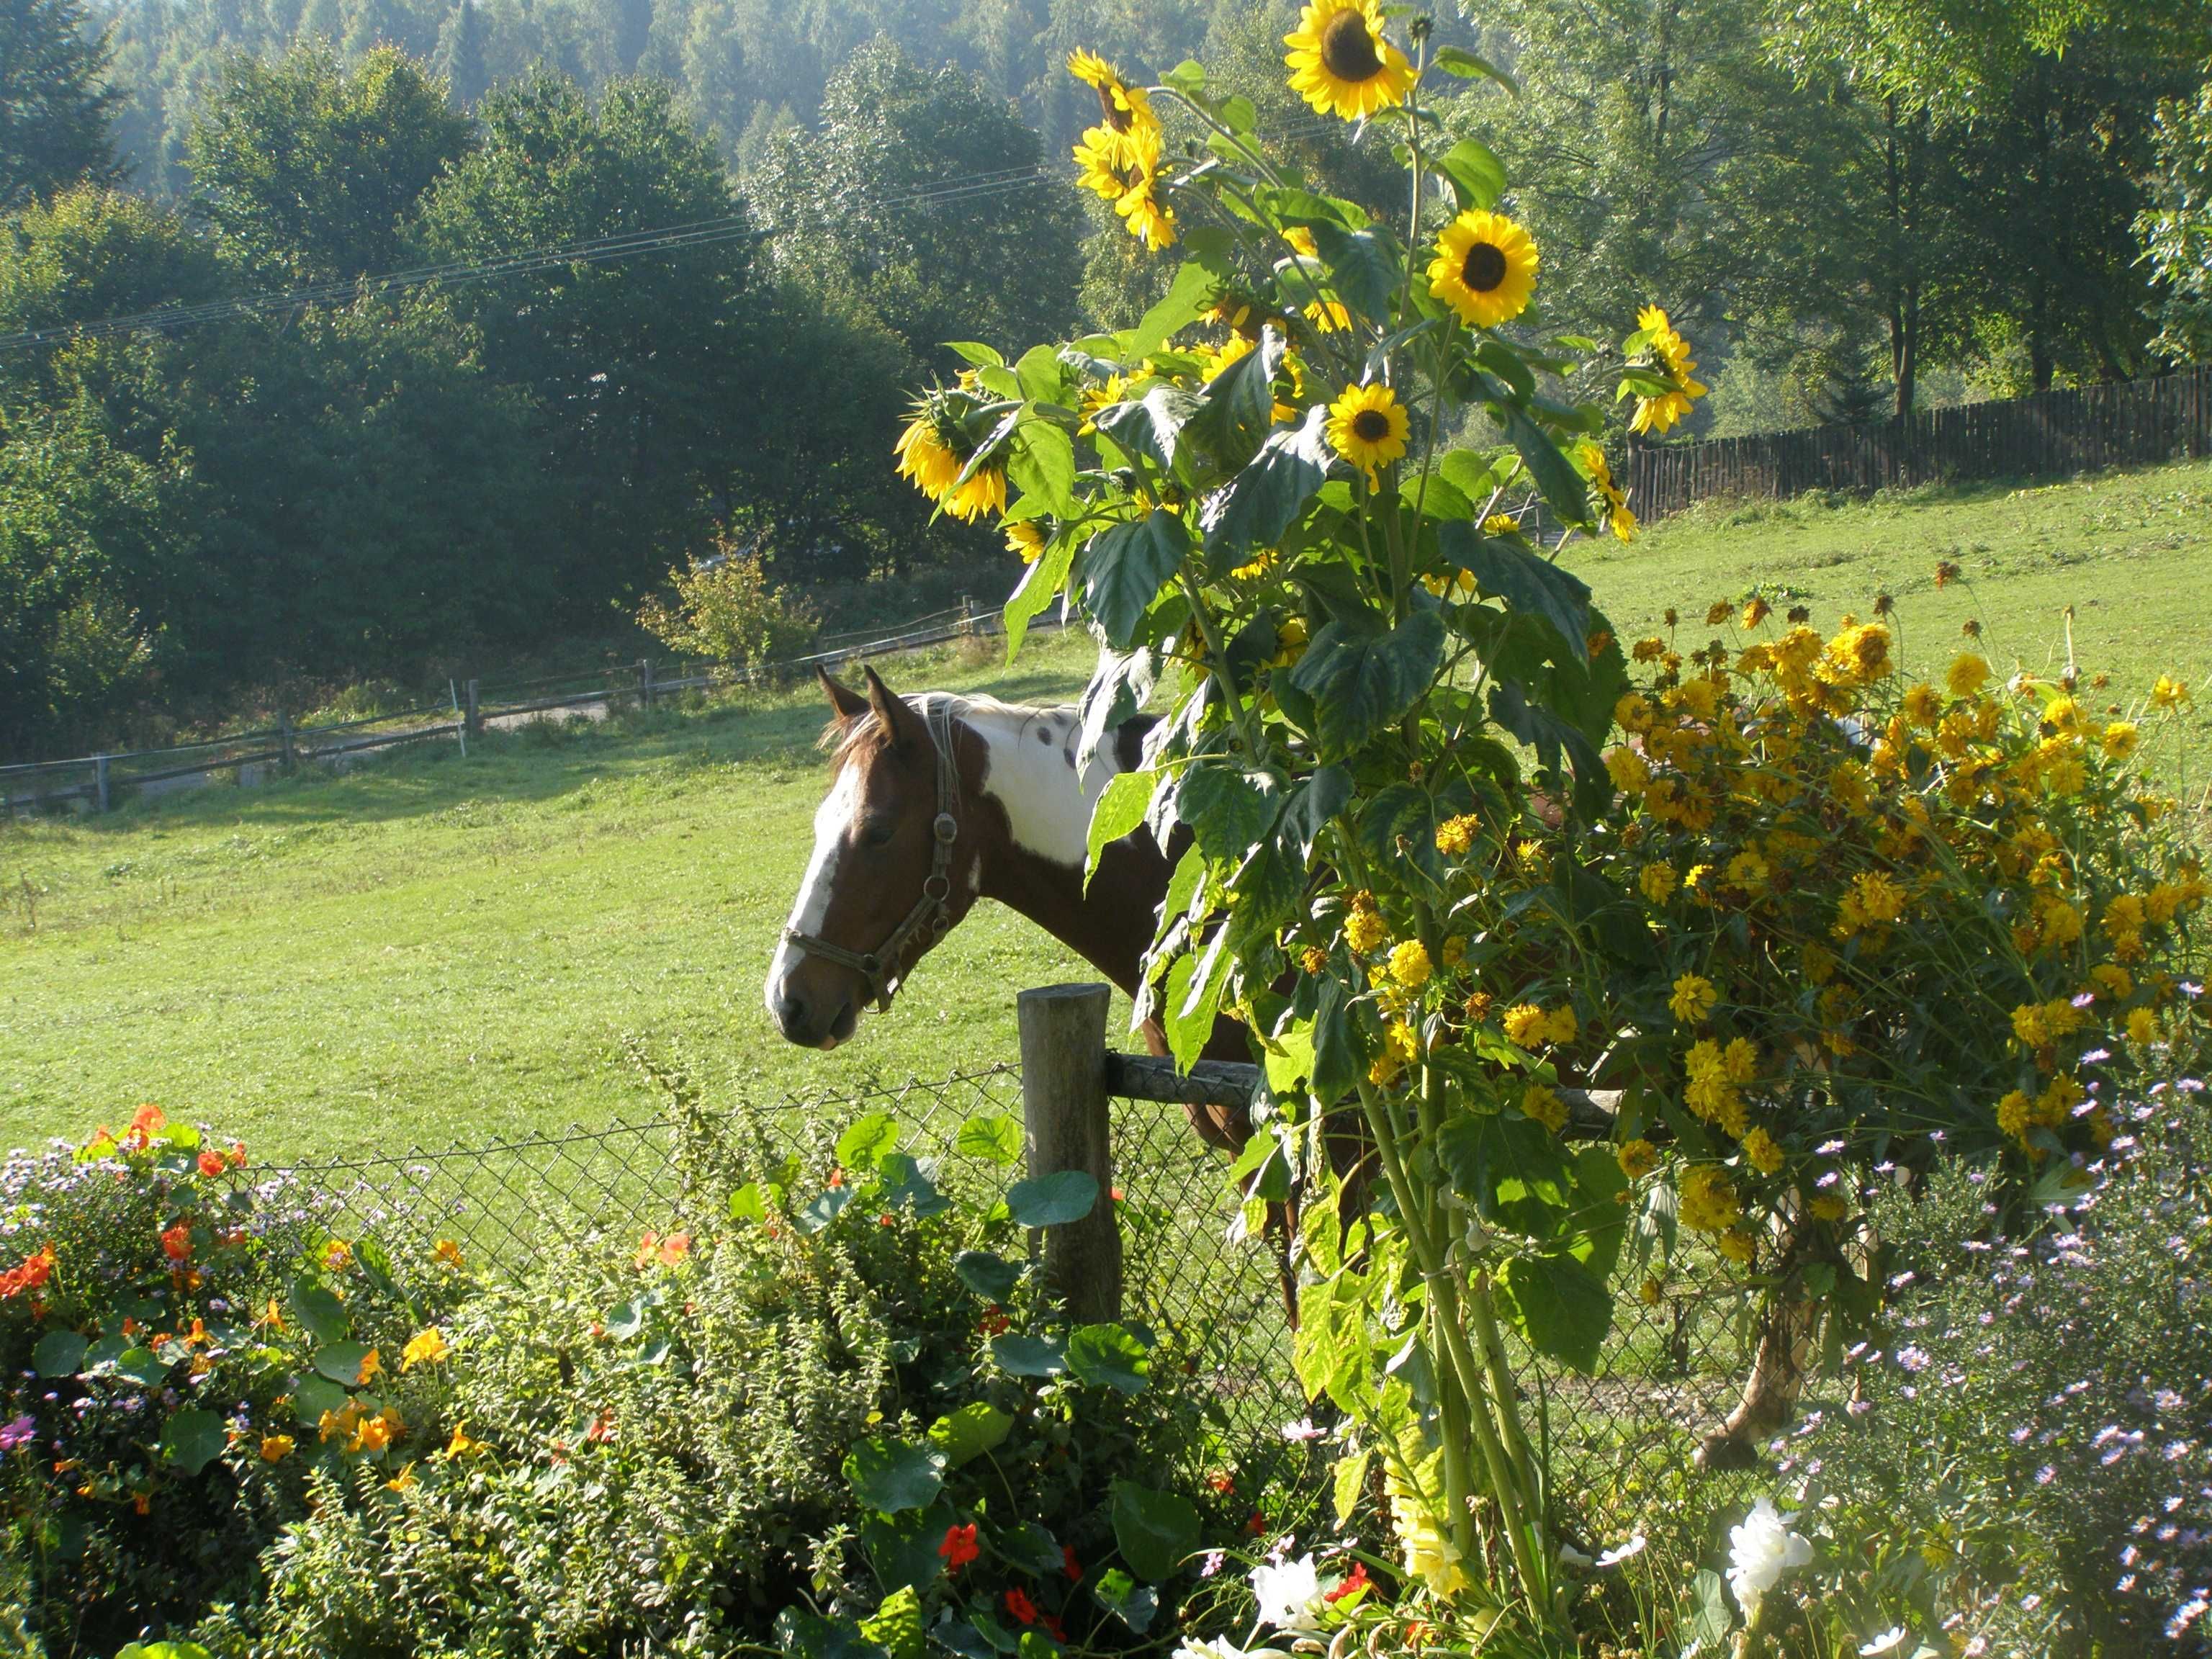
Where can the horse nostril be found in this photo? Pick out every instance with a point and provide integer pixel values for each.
(791, 1012)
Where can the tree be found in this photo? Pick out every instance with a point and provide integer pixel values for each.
(56, 107)
(853, 212)
(307, 170)
(2176, 227)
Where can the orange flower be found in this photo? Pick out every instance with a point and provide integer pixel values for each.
(211, 1164)
(959, 1546)
(371, 1363)
(176, 1241)
(1021, 1608)
(994, 1321)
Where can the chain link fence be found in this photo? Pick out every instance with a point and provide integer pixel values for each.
(1669, 1373)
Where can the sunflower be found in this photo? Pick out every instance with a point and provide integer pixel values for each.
(1611, 498)
(1127, 111)
(1659, 413)
(1125, 171)
(1026, 537)
(1484, 269)
(984, 492)
(1368, 427)
(1341, 63)
(925, 456)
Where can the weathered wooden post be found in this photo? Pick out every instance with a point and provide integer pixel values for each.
(1063, 1035)
(284, 755)
(471, 720)
(644, 682)
(99, 783)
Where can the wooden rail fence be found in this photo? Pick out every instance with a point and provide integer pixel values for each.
(2050, 434)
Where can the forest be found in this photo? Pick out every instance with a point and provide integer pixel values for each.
(237, 456)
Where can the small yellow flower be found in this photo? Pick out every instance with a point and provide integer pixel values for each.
(1526, 1024)
(1313, 959)
(1560, 1025)
(1541, 1105)
(402, 1480)
(1363, 930)
(2169, 695)
(1828, 1206)
(2142, 1026)
(1409, 964)
(1501, 524)
(371, 1363)
(2120, 739)
(1638, 1159)
(1630, 773)
(1455, 835)
(1762, 1152)
(275, 1448)
(1657, 881)
(425, 1347)
(460, 1445)
(1969, 673)
(1693, 999)
(447, 1252)
(1739, 1244)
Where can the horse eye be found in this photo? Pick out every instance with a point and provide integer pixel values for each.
(877, 832)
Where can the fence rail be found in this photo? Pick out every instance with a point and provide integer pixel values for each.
(2057, 432)
(99, 780)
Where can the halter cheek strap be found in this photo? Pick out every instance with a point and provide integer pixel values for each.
(933, 912)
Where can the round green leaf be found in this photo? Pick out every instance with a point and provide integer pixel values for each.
(1052, 1201)
(967, 1434)
(1107, 1355)
(891, 1475)
(193, 1438)
(1029, 1356)
(1156, 1530)
(59, 1353)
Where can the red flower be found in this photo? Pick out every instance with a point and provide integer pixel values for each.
(1221, 1483)
(1058, 1631)
(959, 1547)
(211, 1164)
(1068, 1560)
(1257, 1524)
(1020, 1608)
(177, 1242)
(994, 1321)
(837, 1177)
(1354, 1581)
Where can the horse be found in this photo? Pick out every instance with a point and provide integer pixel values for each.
(938, 801)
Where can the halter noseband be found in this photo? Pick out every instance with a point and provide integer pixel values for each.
(933, 909)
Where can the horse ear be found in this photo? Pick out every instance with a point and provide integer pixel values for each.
(891, 709)
(849, 704)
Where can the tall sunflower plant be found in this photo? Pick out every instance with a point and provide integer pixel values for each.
(1281, 502)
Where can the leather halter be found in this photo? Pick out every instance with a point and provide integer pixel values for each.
(932, 911)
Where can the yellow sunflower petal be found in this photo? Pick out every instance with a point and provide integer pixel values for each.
(1484, 269)
(1340, 63)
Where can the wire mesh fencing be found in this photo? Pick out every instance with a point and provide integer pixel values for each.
(1668, 1373)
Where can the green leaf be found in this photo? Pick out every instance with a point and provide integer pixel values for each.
(1029, 1356)
(1043, 374)
(749, 1203)
(1227, 808)
(1361, 681)
(626, 1320)
(1041, 461)
(1560, 1306)
(824, 1207)
(965, 1435)
(865, 1143)
(1039, 586)
(804, 1635)
(1349, 1488)
(1108, 1356)
(991, 1277)
(1195, 988)
(896, 1624)
(1120, 809)
(1240, 403)
(891, 1475)
(318, 1310)
(1363, 266)
(1478, 177)
(1135, 1604)
(1555, 476)
(1524, 581)
(1709, 1626)
(162, 1650)
(1455, 60)
(996, 1138)
(1054, 1200)
(1330, 1351)
(1151, 426)
(1155, 1530)
(1124, 568)
(903, 1548)
(1313, 806)
(1339, 1058)
(1485, 1155)
(193, 1438)
(59, 1353)
(342, 1361)
(313, 1395)
(1253, 508)
(1186, 297)
(977, 353)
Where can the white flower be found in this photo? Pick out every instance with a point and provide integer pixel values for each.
(1303, 1430)
(1221, 1647)
(1882, 1643)
(1621, 1552)
(1760, 1550)
(1289, 1592)
(1571, 1557)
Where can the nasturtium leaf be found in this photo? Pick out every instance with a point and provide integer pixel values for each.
(626, 1319)
(1120, 810)
(960, 1637)
(965, 1435)
(822, 1209)
(1256, 506)
(342, 1362)
(1052, 1201)
(1108, 1356)
(1361, 680)
(1136, 1604)
(313, 1395)
(318, 1310)
(903, 1547)
(1478, 177)
(1029, 1356)
(896, 1624)
(1560, 1306)
(1711, 1624)
(193, 1438)
(891, 1475)
(749, 1203)
(863, 1145)
(139, 1365)
(59, 1353)
(804, 1635)
(995, 1138)
(1364, 267)
(1124, 568)
(907, 1185)
(106, 1352)
(162, 1650)
(1154, 1530)
(1524, 581)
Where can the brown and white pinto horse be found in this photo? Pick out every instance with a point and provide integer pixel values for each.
(937, 801)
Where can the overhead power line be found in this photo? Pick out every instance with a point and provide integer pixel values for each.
(593, 251)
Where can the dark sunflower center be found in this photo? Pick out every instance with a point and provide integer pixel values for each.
(1484, 268)
(1116, 116)
(1370, 426)
(1348, 50)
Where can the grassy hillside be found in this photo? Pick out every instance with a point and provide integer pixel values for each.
(435, 951)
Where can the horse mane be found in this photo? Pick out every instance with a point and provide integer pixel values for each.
(845, 738)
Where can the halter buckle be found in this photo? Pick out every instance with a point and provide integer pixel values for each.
(947, 828)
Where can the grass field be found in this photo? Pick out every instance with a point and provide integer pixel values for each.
(432, 951)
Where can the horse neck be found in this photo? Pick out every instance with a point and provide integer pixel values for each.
(1034, 864)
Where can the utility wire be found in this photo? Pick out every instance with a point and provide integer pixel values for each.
(593, 251)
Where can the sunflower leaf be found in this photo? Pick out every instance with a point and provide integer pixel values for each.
(1185, 298)
(1478, 177)
(1524, 581)
(1240, 403)
(1363, 266)
(1260, 502)
(1153, 426)
(1455, 60)
(1124, 568)
(1360, 679)
(1043, 463)
(1040, 586)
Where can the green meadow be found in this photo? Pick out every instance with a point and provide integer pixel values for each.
(432, 951)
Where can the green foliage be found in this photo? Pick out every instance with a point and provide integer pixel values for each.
(307, 168)
(56, 101)
(2175, 226)
(726, 609)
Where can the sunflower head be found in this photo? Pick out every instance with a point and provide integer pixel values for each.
(1125, 111)
(1485, 267)
(1669, 354)
(1341, 63)
(925, 453)
(1612, 500)
(1368, 425)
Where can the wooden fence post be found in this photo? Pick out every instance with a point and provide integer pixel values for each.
(285, 756)
(1063, 1034)
(471, 720)
(644, 682)
(99, 783)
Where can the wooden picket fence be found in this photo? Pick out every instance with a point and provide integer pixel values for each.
(2050, 434)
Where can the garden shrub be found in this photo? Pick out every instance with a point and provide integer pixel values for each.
(821, 1410)
(726, 609)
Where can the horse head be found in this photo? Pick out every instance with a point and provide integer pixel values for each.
(892, 868)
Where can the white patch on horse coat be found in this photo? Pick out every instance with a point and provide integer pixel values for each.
(832, 819)
(1048, 806)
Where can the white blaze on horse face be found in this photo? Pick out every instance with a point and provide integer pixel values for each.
(833, 820)
(1032, 775)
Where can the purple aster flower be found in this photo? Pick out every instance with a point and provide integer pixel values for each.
(14, 1436)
